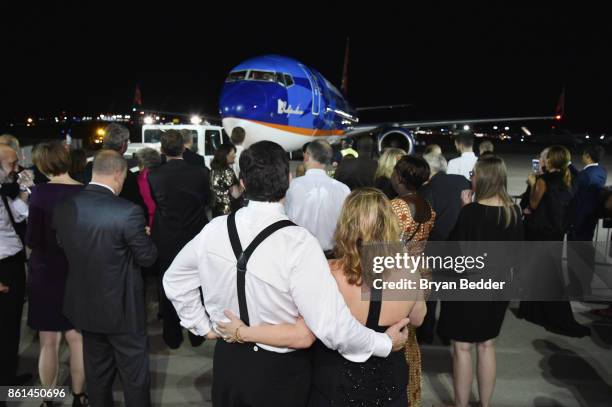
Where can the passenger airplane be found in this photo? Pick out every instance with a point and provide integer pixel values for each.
(279, 99)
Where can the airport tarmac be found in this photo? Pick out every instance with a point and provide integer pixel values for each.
(535, 367)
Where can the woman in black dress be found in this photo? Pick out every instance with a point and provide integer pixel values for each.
(366, 217)
(48, 269)
(491, 217)
(546, 220)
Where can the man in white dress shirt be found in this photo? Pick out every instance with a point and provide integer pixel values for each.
(288, 276)
(12, 267)
(463, 165)
(314, 201)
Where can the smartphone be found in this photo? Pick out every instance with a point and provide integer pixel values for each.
(535, 165)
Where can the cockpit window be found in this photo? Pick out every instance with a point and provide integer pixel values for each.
(288, 80)
(282, 79)
(262, 76)
(236, 76)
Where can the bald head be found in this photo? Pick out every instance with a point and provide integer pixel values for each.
(108, 162)
(109, 168)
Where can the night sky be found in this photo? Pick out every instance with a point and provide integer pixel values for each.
(448, 63)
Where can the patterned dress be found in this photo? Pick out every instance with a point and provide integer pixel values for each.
(414, 235)
(221, 180)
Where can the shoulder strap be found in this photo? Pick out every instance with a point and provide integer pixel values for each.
(242, 257)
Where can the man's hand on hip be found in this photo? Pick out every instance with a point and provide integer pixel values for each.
(398, 334)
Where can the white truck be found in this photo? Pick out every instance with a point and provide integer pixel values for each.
(206, 138)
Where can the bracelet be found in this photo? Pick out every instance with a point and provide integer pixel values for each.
(237, 335)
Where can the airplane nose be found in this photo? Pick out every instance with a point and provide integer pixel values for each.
(243, 100)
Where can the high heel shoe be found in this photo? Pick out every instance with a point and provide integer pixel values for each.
(80, 400)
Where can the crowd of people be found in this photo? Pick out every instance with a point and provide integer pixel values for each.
(268, 264)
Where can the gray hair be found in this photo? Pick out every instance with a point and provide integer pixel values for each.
(320, 151)
(148, 157)
(109, 162)
(115, 137)
(437, 163)
(11, 141)
(187, 136)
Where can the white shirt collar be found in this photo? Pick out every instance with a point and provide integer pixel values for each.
(315, 171)
(267, 206)
(468, 154)
(103, 185)
(590, 165)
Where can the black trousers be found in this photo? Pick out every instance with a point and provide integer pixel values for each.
(245, 377)
(11, 311)
(104, 355)
(172, 331)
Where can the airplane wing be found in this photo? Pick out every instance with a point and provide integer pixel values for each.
(368, 128)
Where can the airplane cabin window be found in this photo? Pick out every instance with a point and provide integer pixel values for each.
(236, 76)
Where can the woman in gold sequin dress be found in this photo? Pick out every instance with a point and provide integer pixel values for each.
(227, 192)
(416, 218)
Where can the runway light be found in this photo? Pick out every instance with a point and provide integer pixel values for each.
(148, 120)
(195, 120)
(466, 127)
(101, 132)
(494, 127)
(506, 128)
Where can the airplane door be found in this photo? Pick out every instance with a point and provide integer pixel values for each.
(316, 91)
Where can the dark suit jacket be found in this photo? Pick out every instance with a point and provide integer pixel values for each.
(182, 193)
(193, 158)
(130, 189)
(443, 192)
(357, 172)
(587, 202)
(104, 239)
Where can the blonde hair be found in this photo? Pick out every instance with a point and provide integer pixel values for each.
(558, 158)
(366, 217)
(491, 181)
(387, 161)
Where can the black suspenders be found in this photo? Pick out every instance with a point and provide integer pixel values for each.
(242, 256)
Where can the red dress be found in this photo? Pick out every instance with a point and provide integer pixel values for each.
(145, 192)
